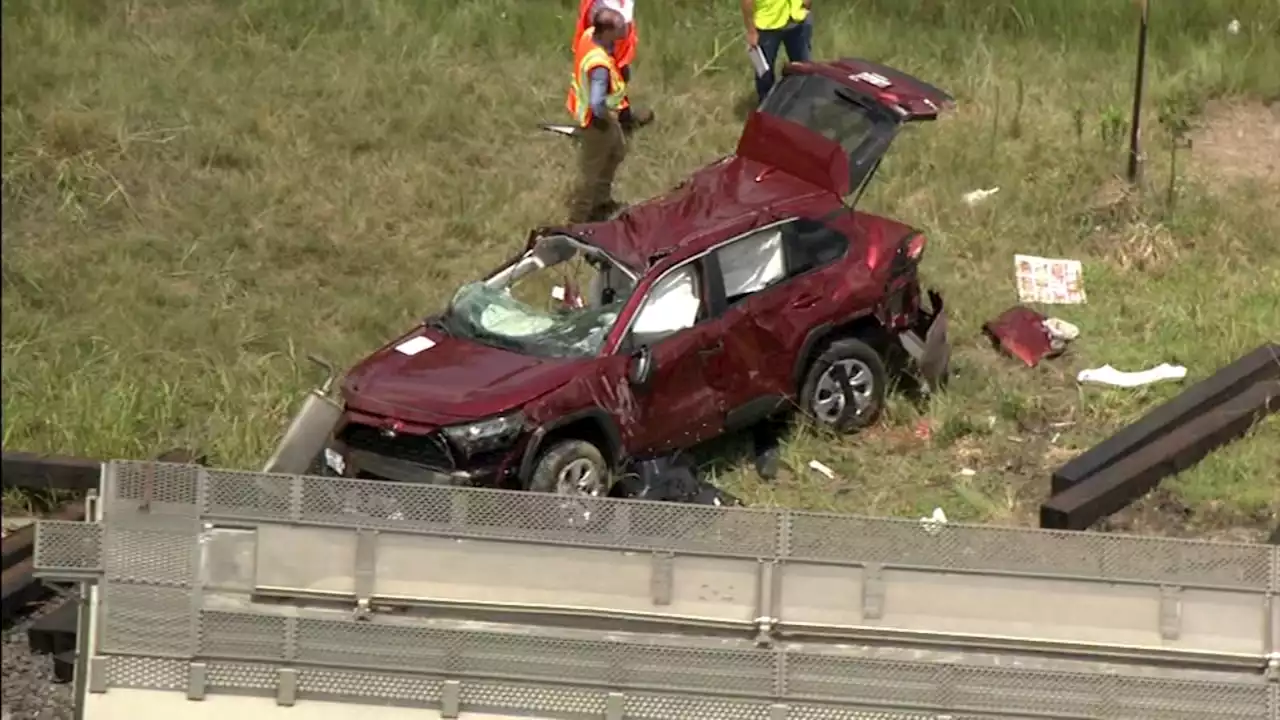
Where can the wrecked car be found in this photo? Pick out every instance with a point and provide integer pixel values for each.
(753, 288)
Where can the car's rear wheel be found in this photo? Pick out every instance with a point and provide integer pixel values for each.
(571, 467)
(845, 386)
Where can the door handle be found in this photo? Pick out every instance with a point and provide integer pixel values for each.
(805, 301)
(712, 349)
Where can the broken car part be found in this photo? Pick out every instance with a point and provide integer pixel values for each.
(1028, 335)
(311, 427)
(1259, 365)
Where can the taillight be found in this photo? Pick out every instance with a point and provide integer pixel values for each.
(914, 247)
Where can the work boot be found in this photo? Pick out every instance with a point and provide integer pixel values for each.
(633, 118)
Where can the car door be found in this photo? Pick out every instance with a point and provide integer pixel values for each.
(678, 408)
(814, 129)
(778, 281)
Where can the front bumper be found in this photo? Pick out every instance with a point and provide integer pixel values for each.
(342, 460)
(927, 343)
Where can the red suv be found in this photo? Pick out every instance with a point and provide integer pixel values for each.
(751, 288)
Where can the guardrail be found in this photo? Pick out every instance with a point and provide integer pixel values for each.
(718, 598)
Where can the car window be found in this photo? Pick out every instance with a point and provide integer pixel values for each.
(814, 102)
(752, 263)
(674, 303)
(811, 244)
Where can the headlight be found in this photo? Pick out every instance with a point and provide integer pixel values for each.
(485, 435)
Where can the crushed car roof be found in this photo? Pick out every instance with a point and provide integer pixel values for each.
(700, 211)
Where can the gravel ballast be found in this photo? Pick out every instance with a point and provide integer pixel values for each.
(28, 691)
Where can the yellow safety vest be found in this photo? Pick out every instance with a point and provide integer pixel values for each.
(775, 14)
(587, 57)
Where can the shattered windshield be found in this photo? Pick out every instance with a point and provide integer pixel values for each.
(560, 299)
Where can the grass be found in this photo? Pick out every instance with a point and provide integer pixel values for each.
(198, 193)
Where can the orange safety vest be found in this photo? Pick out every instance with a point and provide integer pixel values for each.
(624, 50)
(587, 56)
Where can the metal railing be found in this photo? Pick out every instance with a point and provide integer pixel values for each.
(183, 557)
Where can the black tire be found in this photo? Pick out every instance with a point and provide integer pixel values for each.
(554, 470)
(820, 400)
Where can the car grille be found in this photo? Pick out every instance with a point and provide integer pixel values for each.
(429, 450)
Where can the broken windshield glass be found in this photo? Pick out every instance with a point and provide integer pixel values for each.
(538, 305)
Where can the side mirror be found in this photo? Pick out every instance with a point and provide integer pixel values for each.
(640, 368)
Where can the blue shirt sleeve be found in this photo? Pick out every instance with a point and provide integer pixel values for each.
(599, 91)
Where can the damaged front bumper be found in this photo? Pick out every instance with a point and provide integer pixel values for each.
(346, 462)
(927, 343)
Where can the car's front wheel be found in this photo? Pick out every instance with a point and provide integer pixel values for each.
(571, 467)
(845, 386)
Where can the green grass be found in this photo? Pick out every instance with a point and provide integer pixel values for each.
(198, 193)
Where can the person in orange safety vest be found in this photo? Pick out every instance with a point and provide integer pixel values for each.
(624, 52)
(597, 92)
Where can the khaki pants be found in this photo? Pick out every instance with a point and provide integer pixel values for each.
(602, 151)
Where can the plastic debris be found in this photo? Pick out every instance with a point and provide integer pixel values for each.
(825, 471)
(1233, 27)
(1061, 329)
(1107, 375)
(974, 197)
(968, 472)
(933, 524)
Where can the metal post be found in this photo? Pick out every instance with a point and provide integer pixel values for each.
(1135, 152)
(84, 619)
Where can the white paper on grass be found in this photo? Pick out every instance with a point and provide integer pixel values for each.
(415, 345)
(1049, 281)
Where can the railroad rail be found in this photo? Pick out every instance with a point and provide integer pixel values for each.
(205, 584)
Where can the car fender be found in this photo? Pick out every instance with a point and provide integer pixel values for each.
(815, 337)
(613, 435)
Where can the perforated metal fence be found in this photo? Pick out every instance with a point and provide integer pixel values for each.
(191, 491)
(155, 629)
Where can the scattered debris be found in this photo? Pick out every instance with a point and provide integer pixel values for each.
(1049, 281)
(968, 472)
(1030, 336)
(672, 478)
(933, 524)
(825, 471)
(1233, 27)
(976, 196)
(1107, 375)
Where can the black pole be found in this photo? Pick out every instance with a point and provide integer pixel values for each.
(1135, 153)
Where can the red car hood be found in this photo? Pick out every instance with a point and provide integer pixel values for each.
(454, 381)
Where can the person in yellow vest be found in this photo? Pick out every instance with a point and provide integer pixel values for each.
(772, 25)
(596, 94)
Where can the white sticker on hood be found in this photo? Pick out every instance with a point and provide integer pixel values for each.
(415, 345)
(876, 79)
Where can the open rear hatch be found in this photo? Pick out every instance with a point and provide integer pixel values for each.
(830, 123)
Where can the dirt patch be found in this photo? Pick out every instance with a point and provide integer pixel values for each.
(1160, 512)
(1239, 141)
